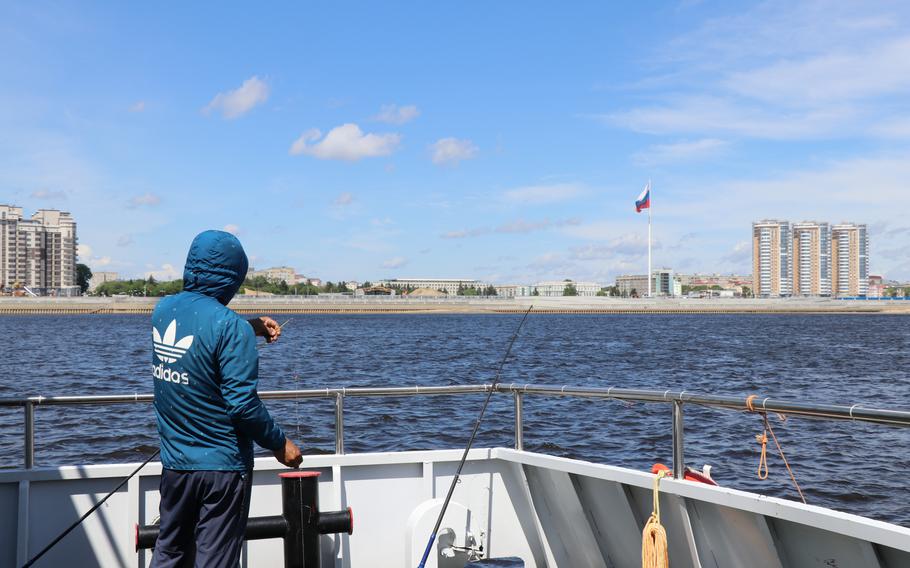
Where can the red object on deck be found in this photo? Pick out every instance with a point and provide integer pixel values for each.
(691, 474)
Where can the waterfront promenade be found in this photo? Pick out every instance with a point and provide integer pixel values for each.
(467, 305)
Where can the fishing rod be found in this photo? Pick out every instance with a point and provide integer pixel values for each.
(89, 512)
(464, 456)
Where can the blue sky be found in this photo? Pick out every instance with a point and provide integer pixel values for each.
(504, 141)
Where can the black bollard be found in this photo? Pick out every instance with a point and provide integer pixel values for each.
(300, 523)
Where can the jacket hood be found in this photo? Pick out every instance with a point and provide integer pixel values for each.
(215, 266)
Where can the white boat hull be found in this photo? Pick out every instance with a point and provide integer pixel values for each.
(549, 511)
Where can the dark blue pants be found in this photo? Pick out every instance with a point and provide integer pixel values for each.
(203, 518)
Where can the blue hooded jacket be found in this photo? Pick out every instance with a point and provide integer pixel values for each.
(206, 367)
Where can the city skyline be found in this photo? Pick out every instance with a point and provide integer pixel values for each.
(509, 147)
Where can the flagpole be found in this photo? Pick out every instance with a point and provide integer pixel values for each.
(650, 206)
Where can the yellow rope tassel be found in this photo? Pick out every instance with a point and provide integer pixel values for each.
(654, 538)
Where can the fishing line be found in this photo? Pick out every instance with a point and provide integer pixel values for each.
(90, 511)
(464, 456)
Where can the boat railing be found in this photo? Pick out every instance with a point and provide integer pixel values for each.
(675, 399)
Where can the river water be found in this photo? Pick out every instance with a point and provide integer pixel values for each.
(859, 359)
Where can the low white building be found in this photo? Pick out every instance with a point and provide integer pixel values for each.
(664, 283)
(449, 285)
(558, 288)
(99, 278)
(513, 290)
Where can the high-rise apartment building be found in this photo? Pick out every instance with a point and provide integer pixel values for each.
(849, 260)
(811, 259)
(772, 258)
(39, 253)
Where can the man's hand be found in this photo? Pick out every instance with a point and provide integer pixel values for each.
(289, 455)
(266, 327)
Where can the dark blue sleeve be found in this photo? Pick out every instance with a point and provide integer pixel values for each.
(239, 363)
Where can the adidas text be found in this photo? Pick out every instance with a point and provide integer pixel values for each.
(166, 374)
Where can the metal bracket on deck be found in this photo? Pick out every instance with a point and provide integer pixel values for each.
(300, 523)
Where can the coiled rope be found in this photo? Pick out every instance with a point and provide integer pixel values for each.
(763, 440)
(654, 552)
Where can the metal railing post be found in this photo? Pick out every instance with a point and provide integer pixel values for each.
(29, 435)
(519, 428)
(339, 423)
(679, 460)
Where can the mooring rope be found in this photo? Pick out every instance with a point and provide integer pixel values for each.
(654, 553)
(763, 440)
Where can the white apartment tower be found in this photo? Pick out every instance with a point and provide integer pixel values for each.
(811, 259)
(39, 253)
(772, 258)
(849, 260)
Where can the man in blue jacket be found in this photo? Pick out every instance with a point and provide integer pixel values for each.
(206, 367)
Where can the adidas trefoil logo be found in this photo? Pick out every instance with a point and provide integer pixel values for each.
(167, 349)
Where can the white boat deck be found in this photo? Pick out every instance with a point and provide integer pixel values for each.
(549, 511)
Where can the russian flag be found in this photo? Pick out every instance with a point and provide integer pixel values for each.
(644, 200)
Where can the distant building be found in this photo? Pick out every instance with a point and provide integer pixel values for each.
(733, 282)
(663, 283)
(513, 290)
(277, 274)
(38, 253)
(876, 288)
(629, 284)
(558, 288)
(811, 259)
(772, 258)
(99, 278)
(849, 260)
(449, 285)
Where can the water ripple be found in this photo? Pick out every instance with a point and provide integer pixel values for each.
(828, 359)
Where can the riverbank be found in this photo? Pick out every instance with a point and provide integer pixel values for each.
(464, 305)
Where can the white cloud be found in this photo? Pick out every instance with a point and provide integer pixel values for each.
(396, 262)
(394, 114)
(232, 229)
(345, 142)
(124, 240)
(880, 69)
(344, 199)
(236, 103)
(138, 106)
(629, 244)
(84, 254)
(782, 70)
(48, 194)
(452, 150)
(518, 226)
(144, 200)
(712, 114)
(685, 151)
(742, 251)
(166, 272)
(542, 194)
